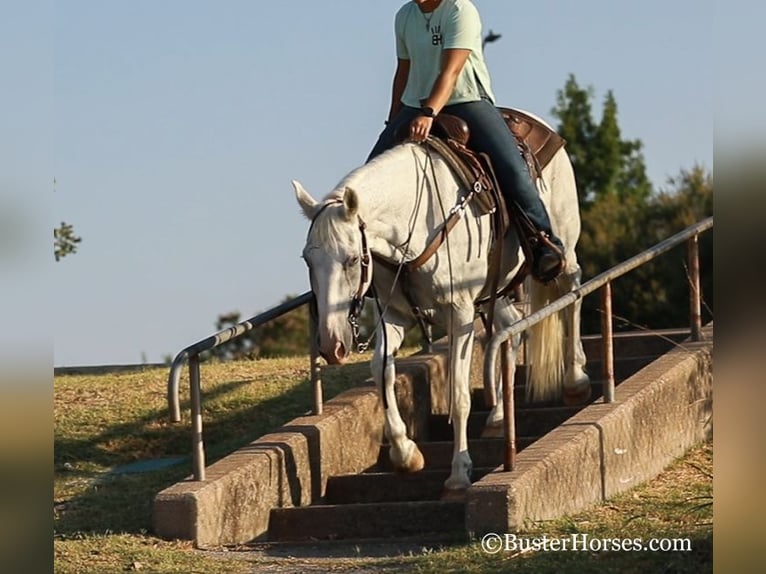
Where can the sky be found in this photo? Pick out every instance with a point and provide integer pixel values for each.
(177, 126)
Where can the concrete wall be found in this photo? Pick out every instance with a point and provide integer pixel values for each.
(286, 468)
(605, 449)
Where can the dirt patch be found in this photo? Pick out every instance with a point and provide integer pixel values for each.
(342, 556)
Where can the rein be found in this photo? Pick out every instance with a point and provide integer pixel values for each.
(357, 303)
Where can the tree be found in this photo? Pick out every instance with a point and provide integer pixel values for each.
(622, 215)
(604, 163)
(687, 200)
(576, 126)
(287, 335)
(64, 241)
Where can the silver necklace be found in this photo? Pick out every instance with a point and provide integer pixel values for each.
(428, 19)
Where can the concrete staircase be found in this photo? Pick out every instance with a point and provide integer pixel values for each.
(379, 503)
(327, 477)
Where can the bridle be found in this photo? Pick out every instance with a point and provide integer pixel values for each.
(357, 301)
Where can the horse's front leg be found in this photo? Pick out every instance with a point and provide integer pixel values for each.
(404, 453)
(461, 348)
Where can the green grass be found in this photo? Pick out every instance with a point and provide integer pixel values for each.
(676, 504)
(102, 520)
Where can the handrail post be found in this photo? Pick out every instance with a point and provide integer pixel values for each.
(316, 378)
(198, 447)
(509, 416)
(695, 311)
(607, 341)
(174, 405)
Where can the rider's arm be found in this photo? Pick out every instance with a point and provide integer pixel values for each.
(451, 65)
(400, 81)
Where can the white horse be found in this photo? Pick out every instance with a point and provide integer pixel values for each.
(389, 210)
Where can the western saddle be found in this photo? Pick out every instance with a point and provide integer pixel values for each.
(450, 139)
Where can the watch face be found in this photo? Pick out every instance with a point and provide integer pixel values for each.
(428, 112)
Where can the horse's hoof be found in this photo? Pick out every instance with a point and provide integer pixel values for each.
(575, 397)
(416, 463)
(454, 494)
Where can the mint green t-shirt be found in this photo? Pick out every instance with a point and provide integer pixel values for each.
(420, 38)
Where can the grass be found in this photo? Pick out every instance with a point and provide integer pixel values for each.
(102, 519)
(677, 504)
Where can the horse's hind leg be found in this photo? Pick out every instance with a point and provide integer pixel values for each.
(461, 348)
(576, 384)
(404, 453)
(505, 314)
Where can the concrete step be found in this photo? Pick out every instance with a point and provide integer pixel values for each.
(636, 343)
(371, 487)
(438, 454)
(530, 422)
(366, 521)
(623, 368)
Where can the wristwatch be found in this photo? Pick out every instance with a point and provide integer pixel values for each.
(427, 112)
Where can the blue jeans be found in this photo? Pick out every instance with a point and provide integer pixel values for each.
(491, 135)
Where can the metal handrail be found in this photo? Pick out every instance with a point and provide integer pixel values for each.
(191, 355)
(604, 280)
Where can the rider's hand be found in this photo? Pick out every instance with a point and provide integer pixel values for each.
(420, 127)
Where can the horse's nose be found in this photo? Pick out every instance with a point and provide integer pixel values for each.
(337, 356)
(339, 353)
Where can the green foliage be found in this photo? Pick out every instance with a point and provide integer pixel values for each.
(284, 336)
(369, 321)
(687, 200)
(604, 163)
(288, 335)
(64, 241)
(656, 294)
(622, 216)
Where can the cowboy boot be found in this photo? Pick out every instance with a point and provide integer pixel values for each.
(548, 257)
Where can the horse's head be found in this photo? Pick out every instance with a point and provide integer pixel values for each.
(339, 265)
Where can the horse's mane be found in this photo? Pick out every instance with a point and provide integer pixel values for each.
(324, 228)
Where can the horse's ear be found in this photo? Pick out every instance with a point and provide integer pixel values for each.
(350, 202)
(308, 204)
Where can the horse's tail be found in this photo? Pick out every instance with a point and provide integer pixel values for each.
(545, 347)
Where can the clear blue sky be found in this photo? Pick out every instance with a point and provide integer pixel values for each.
(178, 126)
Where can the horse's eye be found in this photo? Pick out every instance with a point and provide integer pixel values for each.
(351, 261)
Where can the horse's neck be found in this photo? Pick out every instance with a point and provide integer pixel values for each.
(395, 201)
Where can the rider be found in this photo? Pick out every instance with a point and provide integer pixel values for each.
(441, 68)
